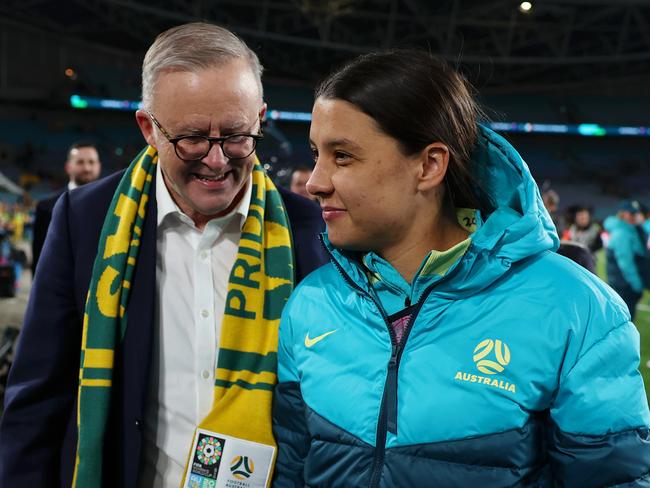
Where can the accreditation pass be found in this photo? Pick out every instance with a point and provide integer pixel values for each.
(221, 461)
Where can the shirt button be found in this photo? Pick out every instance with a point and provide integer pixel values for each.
(204, 254)
(205, 374)
(204, 313)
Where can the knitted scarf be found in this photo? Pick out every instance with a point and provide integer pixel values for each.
(258, 287)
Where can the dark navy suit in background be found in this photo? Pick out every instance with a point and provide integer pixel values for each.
(42, 219)
(38, 429)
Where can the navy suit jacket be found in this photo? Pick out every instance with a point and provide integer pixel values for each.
(41, 223)
(38, 429)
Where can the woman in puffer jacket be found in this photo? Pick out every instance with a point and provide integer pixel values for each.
(446, 343)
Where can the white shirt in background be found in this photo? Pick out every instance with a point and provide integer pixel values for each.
(192, 271)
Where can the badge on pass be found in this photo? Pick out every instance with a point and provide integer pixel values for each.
(221, 461)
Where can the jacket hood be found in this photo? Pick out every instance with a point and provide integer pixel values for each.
(516, 225)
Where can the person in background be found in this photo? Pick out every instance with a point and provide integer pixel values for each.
(584, 230)
(643, 227)
(5, 232)
(19, 221)
(299, 178)
(551, 201)
(643, 224)
(578, 234)
(624, 251)
(152, 337)
(446, 343)
(82, 166)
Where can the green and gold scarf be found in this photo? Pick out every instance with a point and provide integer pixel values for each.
(259, 285)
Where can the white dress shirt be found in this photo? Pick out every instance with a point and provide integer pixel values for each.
(192, 270)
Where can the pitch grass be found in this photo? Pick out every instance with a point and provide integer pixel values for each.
(641, 320)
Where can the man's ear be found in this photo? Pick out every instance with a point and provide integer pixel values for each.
(434, 163)
(262, 113)
(146, 126)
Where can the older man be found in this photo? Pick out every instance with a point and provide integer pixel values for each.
(179, 268)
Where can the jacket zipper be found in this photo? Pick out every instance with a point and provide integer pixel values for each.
(388, 411)
(385, 422)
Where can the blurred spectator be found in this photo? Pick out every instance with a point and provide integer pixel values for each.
(5, 233)
(19, 220)
(624, 252)
(584, 230)
(7, 269)
(5, 215)
(552, 203)
(82, 166)
(13, 222)
(569, 220)
(299, 179)
(643, 222)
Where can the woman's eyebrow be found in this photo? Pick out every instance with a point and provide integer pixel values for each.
(340, 142)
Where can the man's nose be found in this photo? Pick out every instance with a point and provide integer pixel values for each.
(215, 158)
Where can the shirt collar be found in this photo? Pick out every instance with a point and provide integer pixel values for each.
(435, 263)
(167, 206)
(72, 185)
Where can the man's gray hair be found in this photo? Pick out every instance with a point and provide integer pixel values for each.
(193, 47)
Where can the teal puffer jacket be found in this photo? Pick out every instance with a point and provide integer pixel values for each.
(518, 367)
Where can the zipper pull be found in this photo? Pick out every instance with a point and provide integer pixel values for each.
(391, 395)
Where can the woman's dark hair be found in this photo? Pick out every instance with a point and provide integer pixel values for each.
(417, 99)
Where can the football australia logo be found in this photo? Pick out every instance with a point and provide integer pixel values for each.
(491, 363)
(490, 358)
(242, 467)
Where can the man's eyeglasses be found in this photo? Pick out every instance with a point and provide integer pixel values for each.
(194, 148)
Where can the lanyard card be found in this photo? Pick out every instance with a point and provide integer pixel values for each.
(221, 461)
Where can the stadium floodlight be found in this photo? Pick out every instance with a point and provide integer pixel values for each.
(525, 7)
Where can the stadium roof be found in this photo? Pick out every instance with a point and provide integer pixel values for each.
(498, 43)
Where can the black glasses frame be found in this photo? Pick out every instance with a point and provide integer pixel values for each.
(211, 141)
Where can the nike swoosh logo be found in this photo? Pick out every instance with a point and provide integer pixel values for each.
(310, 342)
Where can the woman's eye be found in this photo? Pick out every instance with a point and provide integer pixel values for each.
(314, 155)
(341, 156)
